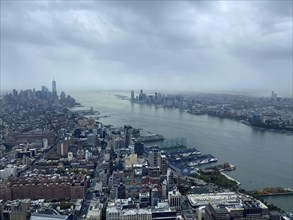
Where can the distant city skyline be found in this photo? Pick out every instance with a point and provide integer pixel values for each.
(256, 93)
(201, 46)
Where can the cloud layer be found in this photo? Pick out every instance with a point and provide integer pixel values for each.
(173, 45)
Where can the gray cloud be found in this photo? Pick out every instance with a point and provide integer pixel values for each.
(181, 45)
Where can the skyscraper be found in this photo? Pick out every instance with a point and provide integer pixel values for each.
(132, 95)
(54, 90)
(127, 135)
(139, 148)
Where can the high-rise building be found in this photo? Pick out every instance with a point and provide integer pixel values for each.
(132, 95)
(121, 191)
(164, 165)
(274, 95)
(170, 180)
(127, 135)
(62, 148)
(154, 158)
(54, 89)
(154, 197)
(45, 143)
(139, 148)
(14, 93)
(174, 198)
(92, 139)
(44, 93)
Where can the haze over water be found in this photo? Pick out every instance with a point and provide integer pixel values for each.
(263, 158)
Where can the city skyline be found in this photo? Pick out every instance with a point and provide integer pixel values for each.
(193, 46)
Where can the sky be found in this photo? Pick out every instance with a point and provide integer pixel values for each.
(155, 45)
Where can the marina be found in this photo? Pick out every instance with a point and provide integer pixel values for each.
(188, 161)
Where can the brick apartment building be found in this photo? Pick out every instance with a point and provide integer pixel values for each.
(44, 187)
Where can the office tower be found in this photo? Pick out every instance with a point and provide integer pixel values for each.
(164, 165)
(44, 93)
(62, 148)
(121, 191)
(62, 96)
(164, 189)
(141, 95)
(14, 93)
(154, 158)
(170, 180)
(127, 135)
(88, 155)
(274, 95)
(139, 148)
(132, 95)
(54, 89)
(174, 198)
(154, 197)
(92, 139)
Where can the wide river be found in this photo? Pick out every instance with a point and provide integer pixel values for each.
(263, 158)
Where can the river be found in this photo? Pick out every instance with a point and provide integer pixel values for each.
(263, 158)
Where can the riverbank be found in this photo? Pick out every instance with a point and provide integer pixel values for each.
(276, 191)
(230, 178)
(245, 122)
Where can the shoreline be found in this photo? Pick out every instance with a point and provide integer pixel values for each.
(249, 125)
(277, 194)
(282, 131)
(230, 178)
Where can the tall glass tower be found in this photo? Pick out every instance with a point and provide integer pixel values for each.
(54, 90)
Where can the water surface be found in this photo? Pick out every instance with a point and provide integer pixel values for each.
(263, 158)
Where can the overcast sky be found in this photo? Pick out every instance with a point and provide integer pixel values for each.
(172, 45)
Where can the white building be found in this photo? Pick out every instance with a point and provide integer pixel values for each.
(113, 213)
(45, 143)
(174, 198)
(38, 216)
(197, 200)
(10, 170)
(94, 212)
(88, 155)
(70, 156)
(137, 214)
